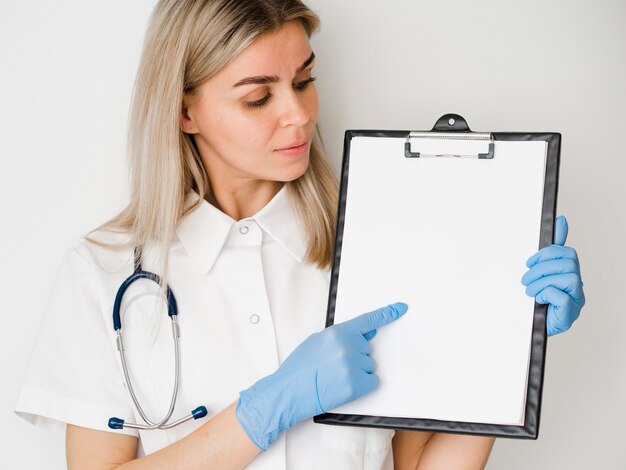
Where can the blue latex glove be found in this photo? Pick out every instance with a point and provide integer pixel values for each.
(328, 369)
(554, 279)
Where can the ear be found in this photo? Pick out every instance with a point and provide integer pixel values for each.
(187, 124)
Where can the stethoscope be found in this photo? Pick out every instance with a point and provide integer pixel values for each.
(172, 311)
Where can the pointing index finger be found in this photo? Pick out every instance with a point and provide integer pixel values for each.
(371, 320)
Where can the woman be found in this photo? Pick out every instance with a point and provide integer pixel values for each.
(234, 204)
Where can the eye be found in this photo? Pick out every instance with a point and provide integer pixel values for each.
(258, 103)
(299, 86)
(303, 84)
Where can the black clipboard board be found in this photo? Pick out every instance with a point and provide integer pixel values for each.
(455, 126)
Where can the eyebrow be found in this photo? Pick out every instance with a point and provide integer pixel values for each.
(265, 79)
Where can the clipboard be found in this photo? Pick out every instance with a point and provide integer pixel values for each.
(434, 219)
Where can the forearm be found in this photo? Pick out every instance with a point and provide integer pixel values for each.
(220, 443)
(446, 451)
(415, 450)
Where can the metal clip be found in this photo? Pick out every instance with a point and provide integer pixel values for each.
(449, 136)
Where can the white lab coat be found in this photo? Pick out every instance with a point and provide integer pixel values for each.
(246, 299)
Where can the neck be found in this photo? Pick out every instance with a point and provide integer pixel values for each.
(242, 199)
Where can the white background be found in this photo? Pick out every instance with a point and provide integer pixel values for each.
(66, 74)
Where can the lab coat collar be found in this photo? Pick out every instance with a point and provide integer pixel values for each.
(204, 231)
(280, 220)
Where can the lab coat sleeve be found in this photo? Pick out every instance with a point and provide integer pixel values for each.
(74, 376)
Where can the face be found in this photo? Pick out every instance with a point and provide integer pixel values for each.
(254, 120)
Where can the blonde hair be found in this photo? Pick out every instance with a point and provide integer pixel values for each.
(187, 42)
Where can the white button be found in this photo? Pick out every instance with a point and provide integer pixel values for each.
(243, 229)
(254, 318)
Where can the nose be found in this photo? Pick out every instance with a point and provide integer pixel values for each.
(294, 110)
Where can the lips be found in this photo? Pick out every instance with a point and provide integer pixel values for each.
(298, 149)
(293, 145)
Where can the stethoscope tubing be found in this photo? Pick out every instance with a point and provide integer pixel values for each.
(172, 311)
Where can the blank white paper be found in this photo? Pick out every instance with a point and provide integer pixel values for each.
(450, 237)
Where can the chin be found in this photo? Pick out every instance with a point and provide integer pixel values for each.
(293, 172)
